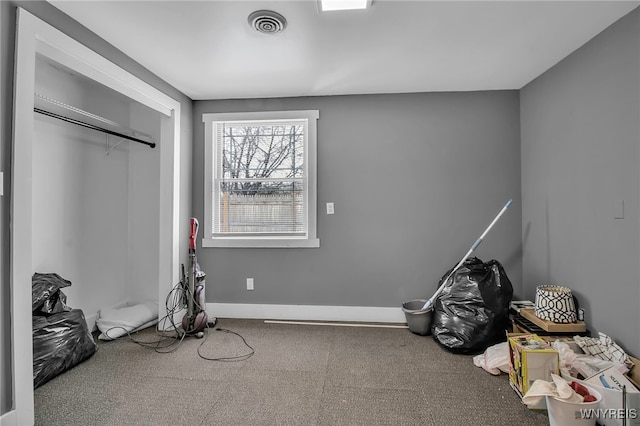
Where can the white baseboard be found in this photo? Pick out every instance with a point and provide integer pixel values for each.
(9, 418)
(306, 312)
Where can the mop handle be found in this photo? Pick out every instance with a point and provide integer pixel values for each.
(486, 231)
(475, 245)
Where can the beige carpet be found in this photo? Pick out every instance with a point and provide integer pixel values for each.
(299, 375)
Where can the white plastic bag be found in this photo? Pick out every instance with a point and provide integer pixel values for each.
(495, 359)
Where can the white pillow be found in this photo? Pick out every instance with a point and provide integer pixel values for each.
(114, 323)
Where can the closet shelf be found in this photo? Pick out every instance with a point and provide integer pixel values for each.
(116, 129)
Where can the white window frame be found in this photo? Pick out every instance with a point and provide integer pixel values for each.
(309, 239)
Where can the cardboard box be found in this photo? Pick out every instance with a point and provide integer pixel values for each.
(575, 327)
(634, 374)
(531, 358)
(609, 383)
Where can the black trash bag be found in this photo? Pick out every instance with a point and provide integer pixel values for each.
(60, 341)
(46, 296)
(472, 311)
(53, 305)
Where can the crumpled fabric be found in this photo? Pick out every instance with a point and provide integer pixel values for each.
(605, 348)
(579, 364)
(558, 388)
(494, 360)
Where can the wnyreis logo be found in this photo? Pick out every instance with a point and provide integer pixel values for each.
(608, 413)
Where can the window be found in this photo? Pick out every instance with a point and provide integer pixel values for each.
(260, 179)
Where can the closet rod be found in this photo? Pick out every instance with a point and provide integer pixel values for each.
(91, 126)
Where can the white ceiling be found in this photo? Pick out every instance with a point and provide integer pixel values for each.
(207, 49)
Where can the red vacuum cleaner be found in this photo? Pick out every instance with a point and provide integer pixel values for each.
(195, 320)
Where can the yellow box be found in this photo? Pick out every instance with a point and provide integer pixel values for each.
(531, 358)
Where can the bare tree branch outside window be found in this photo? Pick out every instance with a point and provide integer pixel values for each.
(262, 178)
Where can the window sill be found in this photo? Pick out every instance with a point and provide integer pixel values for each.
(261, 243)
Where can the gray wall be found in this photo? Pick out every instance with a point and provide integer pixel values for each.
(450, 160)
(580, 153)
(54, 17)
(415, 179)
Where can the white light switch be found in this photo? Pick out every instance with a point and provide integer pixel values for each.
(618, 209)
(330, 208)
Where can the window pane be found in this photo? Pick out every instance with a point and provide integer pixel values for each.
(260, 184)
(261, 207)
(263, 151)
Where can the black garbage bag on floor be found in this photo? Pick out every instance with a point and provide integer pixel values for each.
(472, 311)
(61, 337)
(60, 341)
(46, 294)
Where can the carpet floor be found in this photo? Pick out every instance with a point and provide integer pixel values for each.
(298, 375)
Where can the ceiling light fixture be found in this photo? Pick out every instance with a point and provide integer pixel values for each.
(327, 5)
(267, 21)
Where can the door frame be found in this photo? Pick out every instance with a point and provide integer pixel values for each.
(33, 37)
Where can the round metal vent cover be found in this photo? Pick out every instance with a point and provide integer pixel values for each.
(267, 21)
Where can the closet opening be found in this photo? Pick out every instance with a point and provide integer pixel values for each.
(95, 193)
(100, 212)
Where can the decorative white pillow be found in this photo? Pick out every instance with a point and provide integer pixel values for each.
(114, 323)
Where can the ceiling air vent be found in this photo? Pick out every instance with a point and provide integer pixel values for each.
(266, 21)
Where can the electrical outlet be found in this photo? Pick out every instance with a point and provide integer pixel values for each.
(249, 283)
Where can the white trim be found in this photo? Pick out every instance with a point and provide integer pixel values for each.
(9, 418)
(261, 242)
(306, 312)
(20, 249)
(34, 36)
(311, 114)
(310, 240)
(98, 68)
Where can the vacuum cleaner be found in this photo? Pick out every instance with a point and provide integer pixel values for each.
(195, 320)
